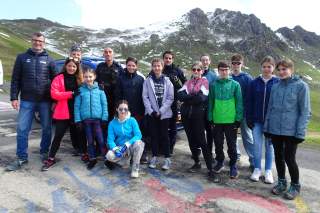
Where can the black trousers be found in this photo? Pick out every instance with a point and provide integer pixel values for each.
(78, 138)
(159, 136)
(173, 126)
(209, 135)
(230, 132)
(194, 128)
(285, 153)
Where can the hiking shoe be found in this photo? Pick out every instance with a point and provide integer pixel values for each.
(293, 191)
(166, 164)
(213, 177)
(16, 165)
(110, 165)
(195, 167)
(153, 163)
(280, 188)
(44, 156)
(85, 158)
(47, 164)
(218, 167)
(91, 164)
(255, 176)
(135, 171)
(268, 177)
(233, 172)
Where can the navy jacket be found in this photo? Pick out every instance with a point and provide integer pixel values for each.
(32, 75)
(289, 108)
(129, 87)
(258, 95)
(244, 80)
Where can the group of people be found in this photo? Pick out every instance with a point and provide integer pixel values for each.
(112, 111)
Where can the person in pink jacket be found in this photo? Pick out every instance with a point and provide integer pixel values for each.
(64, 88)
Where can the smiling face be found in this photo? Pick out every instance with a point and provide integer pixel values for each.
(131, 67)
(122, 110)
(284, 72)
(89, 78)
(157, 68)
(205, 60)
(168, 59)
(76, 54)
(267, 69)
(37, 43)
(71, 68)
(197, 71)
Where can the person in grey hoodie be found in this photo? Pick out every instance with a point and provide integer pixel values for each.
(158, 96)
(286, 122)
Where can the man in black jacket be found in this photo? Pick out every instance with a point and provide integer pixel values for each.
(107, 76)
(177, 78)
(31, 79)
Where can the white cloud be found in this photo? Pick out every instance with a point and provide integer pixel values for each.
(127, 14)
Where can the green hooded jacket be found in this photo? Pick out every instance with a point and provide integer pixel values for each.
(225, 102)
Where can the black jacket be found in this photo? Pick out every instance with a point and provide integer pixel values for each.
(193, 105)
(32, 75)
(129, 87)
(175, 75)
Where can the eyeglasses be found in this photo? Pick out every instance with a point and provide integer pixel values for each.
(36, 40)
(123, 109)
(196, 69)
(235, 63)
(72, 58)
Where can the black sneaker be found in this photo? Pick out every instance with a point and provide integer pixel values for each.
(91, 164)
(213, 177)
(195, 167)
(218, 168)
(109, 165)
(47, 164)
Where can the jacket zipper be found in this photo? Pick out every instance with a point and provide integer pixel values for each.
(90, 105)
(264, 99)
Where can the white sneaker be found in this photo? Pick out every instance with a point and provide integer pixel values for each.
(153, 163)
(256, 175)
(167, 164)
(268, 177)
(135, 171)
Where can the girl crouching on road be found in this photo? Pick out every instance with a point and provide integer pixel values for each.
(124, 139)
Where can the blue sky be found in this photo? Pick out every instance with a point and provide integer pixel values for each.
(127, 14)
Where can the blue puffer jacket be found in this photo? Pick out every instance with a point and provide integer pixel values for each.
(244, 80)
(91, 103)
(129, 87)
(120, 132)
(258, 95)
(289, 108)
(32, 75)
(210, 75)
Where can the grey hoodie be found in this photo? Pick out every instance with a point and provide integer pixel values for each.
(289, 108)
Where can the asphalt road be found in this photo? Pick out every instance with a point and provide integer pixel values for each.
(70, 187)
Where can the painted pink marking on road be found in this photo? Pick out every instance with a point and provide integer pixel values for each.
(271, 205)
(117, 210)
(171, 203)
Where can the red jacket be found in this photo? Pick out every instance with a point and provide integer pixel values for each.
(59, 93)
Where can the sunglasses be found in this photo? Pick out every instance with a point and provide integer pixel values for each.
(123, 109)
(235, 63)
(196, 70)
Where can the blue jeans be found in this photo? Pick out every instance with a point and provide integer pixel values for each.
(258, 141)
(247, 140)
(25, 118)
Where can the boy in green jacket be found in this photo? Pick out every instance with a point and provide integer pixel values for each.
(225, 113)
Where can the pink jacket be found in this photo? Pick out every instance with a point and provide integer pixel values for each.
(59, 93)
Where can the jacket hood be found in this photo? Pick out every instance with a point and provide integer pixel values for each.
(241, 74)
(95, 85)
(294, 78)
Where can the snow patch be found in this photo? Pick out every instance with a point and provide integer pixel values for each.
(4, 35)
(222, 38)
(310, 64)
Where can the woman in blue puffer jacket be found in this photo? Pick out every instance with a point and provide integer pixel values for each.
(91, 109)
(286, 122)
